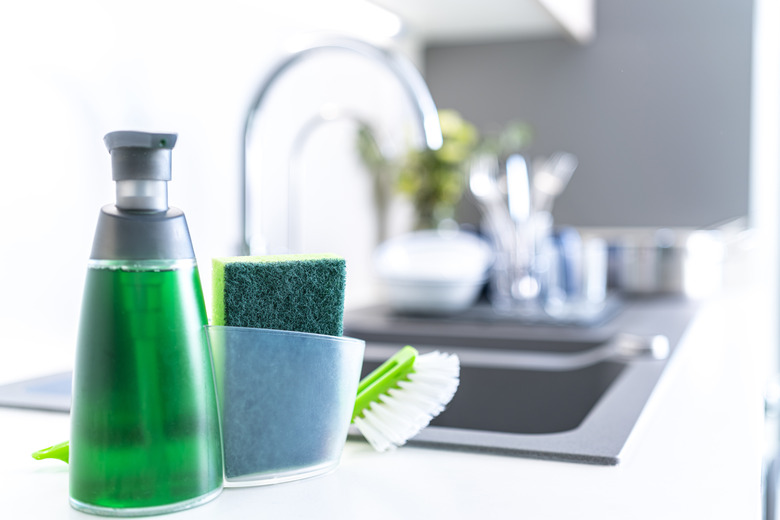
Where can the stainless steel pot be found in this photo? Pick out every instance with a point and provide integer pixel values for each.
(663, 260)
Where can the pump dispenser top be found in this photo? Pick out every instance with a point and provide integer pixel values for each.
(141, 225)
(141, 167)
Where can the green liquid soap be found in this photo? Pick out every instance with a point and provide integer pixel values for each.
(145, 434)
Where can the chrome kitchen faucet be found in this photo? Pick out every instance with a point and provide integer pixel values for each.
(414, 86)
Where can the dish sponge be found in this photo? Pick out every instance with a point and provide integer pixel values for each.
(303, 293)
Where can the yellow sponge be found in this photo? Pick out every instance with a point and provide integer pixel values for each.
(303, 293)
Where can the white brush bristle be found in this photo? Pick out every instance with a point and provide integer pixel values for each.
(402, 412)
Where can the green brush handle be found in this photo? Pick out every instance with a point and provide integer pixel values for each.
(385, 377)
(59, 451)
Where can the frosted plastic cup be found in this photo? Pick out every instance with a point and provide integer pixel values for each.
(285, 401)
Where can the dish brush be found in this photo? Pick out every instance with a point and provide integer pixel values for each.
(403, 395)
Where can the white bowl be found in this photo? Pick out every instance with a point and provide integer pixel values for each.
(432, 297)
(433, 272)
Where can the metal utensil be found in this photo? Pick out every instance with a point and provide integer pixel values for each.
(550, 178)
(518, 188)
(483, 185)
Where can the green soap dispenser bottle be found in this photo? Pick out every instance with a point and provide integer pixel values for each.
(145, 435)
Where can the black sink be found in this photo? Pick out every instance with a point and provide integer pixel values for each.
(515, 400)
(548, 392)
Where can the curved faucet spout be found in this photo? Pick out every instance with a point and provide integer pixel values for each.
(409, 77)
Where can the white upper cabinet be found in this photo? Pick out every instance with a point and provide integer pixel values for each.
(447, 21)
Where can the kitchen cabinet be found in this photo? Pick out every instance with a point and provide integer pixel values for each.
(447, 21)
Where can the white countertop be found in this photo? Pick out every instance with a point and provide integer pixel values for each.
(695, 453)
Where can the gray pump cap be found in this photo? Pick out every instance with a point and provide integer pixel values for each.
(141, 226)
(140, 155)
(141, 167)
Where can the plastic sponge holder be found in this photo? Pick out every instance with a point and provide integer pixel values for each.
(285, 399)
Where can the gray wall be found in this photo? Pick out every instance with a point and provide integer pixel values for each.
(657, 108)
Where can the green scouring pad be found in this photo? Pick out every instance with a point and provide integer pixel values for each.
(303, 293)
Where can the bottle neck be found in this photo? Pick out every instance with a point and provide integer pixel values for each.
(142, 195)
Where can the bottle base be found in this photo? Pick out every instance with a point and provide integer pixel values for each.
(144, 511)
